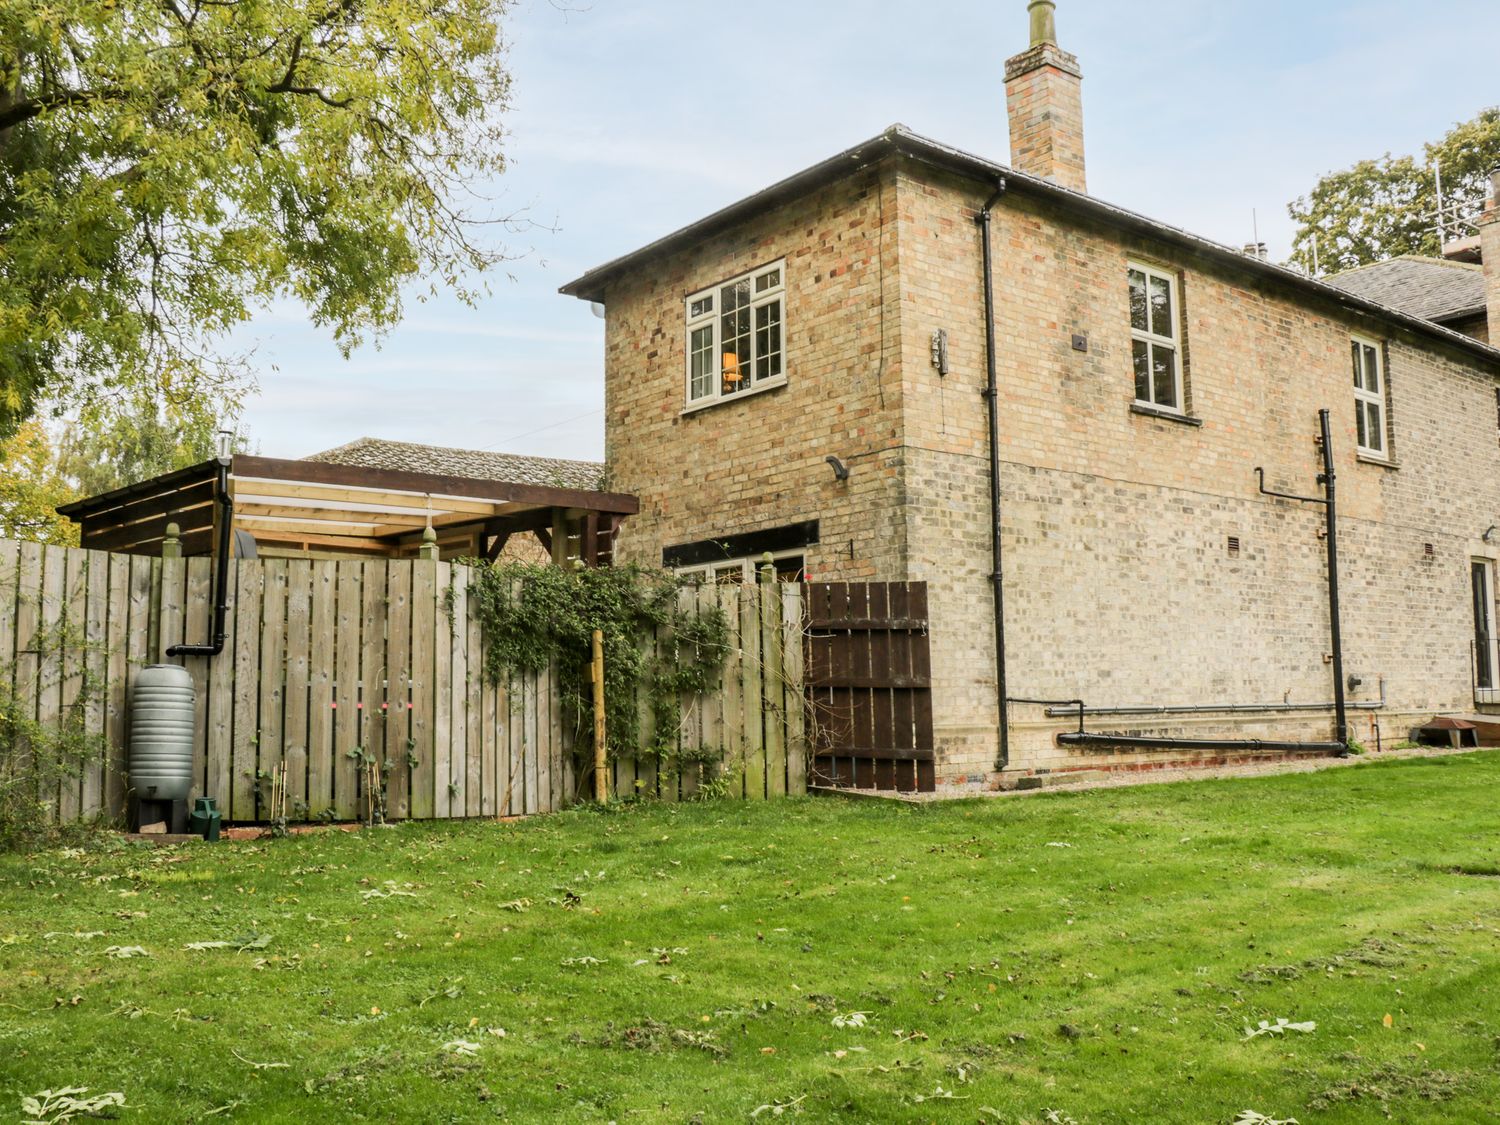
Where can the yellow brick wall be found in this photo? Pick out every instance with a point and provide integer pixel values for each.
(1120, 588)
(758, 461)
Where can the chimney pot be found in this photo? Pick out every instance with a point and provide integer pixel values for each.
(1043, 21)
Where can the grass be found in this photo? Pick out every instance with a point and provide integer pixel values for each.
(1091, 957)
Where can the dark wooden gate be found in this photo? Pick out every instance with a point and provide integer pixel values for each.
(869, 686)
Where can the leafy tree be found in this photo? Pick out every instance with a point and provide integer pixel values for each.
(118, 443)
(32, 487)
(166, 166)
(1381, 208)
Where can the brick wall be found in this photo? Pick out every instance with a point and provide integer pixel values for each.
(1120, 584)
(758, 461)
(1044, 103)
(1489, 240)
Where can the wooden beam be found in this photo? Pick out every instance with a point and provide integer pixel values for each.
(322, 472)
(262, 488)
(590, 546)
(293, 529)
(497, 544)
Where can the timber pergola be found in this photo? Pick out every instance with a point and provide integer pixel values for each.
(316, 509)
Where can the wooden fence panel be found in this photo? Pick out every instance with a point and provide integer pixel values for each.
(868, 684)
(398, 687)
(329, 663)
(294, 739)
(270, 739)
(422, 693)
(320, 705)
(249, 609)
(346, 710)
(197, 618)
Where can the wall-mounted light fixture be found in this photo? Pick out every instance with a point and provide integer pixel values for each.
(1487, 534)
(840, 470)
(940, 351)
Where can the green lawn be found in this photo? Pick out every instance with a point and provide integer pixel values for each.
(1091, 957)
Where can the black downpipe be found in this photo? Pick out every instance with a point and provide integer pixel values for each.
(1341, 718)
(992, 400)
(221, 571)
(1329, 500)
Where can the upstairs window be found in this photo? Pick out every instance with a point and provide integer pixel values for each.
(1154, 338)
(735, 336)
(1369, 396)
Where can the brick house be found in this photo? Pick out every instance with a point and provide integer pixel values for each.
(1142, 375)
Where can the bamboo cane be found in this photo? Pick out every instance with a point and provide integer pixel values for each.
(601, 760)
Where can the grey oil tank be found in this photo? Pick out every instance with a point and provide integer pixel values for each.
(161, 733)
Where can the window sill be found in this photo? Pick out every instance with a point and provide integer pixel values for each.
(1373, 459)
(759, 388)
(1164, 414)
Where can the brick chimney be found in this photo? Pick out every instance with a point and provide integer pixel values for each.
(1044, 99)
(1489, 244)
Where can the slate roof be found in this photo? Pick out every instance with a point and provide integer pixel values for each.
(899, 140)
(477, 464)
(1432, 288)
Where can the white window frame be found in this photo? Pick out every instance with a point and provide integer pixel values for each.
(1149, 338)
(708, 572)
(708, 317)
(1367, 399)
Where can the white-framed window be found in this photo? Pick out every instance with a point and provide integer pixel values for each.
(736, 336)
(790, 567)
(1369, 395)
(1154, 338)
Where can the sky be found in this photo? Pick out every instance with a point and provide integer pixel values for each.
(631, 118)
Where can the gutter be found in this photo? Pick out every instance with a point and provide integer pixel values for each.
(991, 395)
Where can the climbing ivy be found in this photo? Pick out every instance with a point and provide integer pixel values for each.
(532, 615)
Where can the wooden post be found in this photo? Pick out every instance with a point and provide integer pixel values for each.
(429, 548)
(171, 544)
(601, 761)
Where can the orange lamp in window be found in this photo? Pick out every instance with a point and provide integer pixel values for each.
(732, 373)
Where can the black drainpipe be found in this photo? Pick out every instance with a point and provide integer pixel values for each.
(1329, 500)
(992, 399)
(221, 571)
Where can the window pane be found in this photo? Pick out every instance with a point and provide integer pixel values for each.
(1142, 370)
(734, 337)
(732, 575)
(1359, 380)
(1161, 306)
(1138, 300)
(701, 305)
(1374, 428)
(1164, 372)
(1372, 369)
(768, 280)
(768, 341)
(1359, 425)
(701, 357)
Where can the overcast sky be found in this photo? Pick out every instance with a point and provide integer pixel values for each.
(634, 117)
